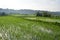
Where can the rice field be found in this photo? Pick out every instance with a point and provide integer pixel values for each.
(29, 28)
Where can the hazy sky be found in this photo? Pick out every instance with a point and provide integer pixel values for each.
(50, 5)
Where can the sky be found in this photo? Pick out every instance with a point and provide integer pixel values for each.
(48, 5)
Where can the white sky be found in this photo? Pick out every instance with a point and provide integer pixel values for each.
(50, 5)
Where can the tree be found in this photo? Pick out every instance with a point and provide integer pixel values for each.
(38, 14)
(3, 14)
(46, 14)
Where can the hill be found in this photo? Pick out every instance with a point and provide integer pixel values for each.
(26, 11)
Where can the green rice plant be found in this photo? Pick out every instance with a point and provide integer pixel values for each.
(20, 28)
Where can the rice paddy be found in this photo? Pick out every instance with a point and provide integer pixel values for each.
(29, 28)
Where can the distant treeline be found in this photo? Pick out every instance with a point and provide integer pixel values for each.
(45, 14)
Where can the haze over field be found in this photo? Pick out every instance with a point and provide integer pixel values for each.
(49, 5)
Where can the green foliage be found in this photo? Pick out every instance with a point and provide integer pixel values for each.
(38, 14)
(44, 14)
